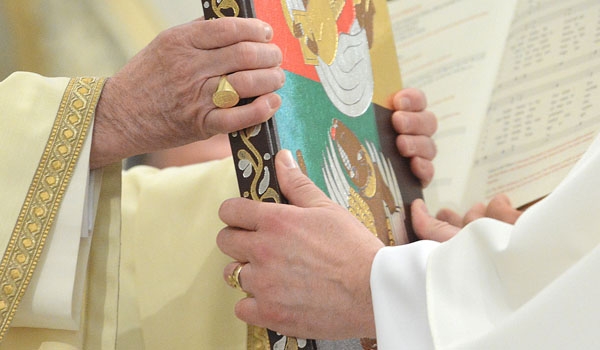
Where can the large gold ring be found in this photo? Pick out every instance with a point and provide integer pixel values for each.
(225, 96)
(234, 279)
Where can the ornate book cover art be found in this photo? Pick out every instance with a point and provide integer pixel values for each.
(341, 72)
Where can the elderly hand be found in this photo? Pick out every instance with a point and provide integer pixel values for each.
(162, 98)
(415, 126)
(308, 263)
(447, 223)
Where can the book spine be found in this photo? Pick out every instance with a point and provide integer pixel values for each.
(228, 8)
(254, 148)
(253, 151)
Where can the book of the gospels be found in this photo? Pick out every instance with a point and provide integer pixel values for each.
(341, 73)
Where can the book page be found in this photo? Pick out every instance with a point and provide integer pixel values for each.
(451, 50)
(545, 109)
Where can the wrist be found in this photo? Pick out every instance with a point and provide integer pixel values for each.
(111, 136)
(367, 315)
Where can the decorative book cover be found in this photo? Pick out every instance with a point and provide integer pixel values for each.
(341, 72)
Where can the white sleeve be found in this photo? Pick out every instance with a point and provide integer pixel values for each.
(533, 285)
(54, 297)
(398, 291)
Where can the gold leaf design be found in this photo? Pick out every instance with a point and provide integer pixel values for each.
(252, 163)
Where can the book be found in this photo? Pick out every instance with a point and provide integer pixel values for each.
(341, 73)
(514, 85)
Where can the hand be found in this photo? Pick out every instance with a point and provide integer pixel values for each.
(162, 98)
(447, 222)
(415, 126)
(498, 208)
(309, 262)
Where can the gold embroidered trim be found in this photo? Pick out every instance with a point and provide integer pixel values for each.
(46, 192)
(258, 338)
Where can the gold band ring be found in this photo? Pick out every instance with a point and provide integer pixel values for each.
(225, 96)
(234, 279)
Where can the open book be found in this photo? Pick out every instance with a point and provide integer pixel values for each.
(515, 86)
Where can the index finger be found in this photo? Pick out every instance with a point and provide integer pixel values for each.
(235, 243)
(212, 34)
(243, 213)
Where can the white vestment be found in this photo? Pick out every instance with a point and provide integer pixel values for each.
(533, 285)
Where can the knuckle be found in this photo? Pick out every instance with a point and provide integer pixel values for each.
(406, 145)
(402, 122)
(245, 81)
(273, 218)
(301, 183)
(226, 27)
(222, 30)
(168, 38)
(275, 315)
(247, 53)
(262, 251)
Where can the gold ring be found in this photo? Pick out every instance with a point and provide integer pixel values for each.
(234, 279)
(225, 96)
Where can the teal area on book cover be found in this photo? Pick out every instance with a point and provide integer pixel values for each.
(341, 71)
(306, 126)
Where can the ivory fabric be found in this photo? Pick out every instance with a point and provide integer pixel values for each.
(54, 296)
(45, 122)
(533, 285)
(399, 298)
(172, 270)
(158, 265)
(98, 326)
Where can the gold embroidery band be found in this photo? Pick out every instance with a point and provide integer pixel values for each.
(46, 192)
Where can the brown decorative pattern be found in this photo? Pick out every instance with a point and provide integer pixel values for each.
(45, 193)
(254, 150)
(255, 165)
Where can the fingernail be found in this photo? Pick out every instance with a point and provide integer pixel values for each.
(404, 104)
(268, 33)
(287, 159)
(274, 101)
(282, 72)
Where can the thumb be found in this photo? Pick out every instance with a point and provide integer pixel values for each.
(295, 186)
(428, 227)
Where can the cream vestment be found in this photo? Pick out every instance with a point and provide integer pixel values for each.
(163, 274)
(177, 298)
(44, 125)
